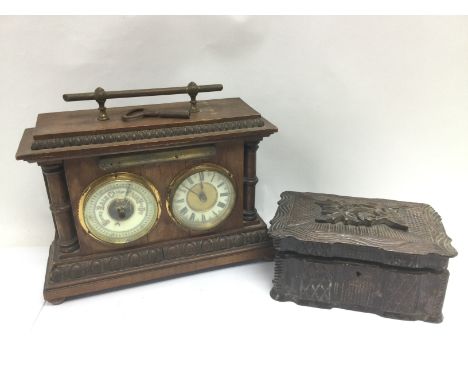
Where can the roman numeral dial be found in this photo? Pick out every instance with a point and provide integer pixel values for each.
(202, 198)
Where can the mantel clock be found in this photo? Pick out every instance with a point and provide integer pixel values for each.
(148, 192)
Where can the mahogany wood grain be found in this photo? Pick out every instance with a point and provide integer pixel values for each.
(68, 123)
(250, 179)
(25, 152)
(81, 172)
(60, 207)
(69, 145)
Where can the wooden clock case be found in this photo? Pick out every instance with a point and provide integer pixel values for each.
(73, 150)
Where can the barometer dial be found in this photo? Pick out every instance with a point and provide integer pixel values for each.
(202, 198)
(119, 208)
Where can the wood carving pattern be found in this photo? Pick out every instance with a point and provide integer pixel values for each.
(155, 255)
(368, 214)
(387, 291)
(317, 291)
(278, 271)
(425, 234)
(145, 134)
(373, 255)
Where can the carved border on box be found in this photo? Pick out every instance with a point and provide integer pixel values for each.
(425, 236)
(130, 260)
(134, 135)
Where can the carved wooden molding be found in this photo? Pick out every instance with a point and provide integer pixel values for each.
(93, 139)
(129, 260)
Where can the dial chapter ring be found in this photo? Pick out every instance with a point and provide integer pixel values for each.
(184, 175)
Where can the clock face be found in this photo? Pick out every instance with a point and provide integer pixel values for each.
(202, 198)
(119, 208)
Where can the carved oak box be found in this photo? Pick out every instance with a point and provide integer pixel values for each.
(372, 255)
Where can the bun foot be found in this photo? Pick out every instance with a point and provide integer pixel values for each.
(57, 301)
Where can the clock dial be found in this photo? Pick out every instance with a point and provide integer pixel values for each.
(119, 208)
(203, 197)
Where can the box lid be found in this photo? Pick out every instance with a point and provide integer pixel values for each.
(383, 231)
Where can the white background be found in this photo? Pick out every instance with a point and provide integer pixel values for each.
(366, 106)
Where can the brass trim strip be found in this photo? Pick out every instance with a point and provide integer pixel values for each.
(118, 162)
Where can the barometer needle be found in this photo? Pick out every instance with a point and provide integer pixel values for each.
(126, 192)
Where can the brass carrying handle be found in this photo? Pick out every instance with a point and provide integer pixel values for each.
(101, 96)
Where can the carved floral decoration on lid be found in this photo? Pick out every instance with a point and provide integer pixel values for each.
(358, 214)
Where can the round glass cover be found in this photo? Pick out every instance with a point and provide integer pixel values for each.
(203, 197)
(119, 208)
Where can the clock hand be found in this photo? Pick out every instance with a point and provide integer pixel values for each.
(201, 195)
(190, 190)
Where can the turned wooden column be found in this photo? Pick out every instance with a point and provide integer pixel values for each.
(60, 207)
(250, 179)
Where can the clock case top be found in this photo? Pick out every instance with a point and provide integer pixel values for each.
(76, 134)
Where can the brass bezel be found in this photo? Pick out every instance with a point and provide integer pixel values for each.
(116, 176)
(184, 174)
